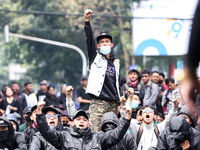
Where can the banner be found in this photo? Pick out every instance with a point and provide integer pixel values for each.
(154, 34)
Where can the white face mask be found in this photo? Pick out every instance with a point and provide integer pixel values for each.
(105, 50)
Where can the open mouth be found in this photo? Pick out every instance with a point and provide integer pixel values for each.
(147, 116)
(52, 123)
(81, 125)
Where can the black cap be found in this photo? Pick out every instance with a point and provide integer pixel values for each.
(46, 109)
(81, 113)
(65, 113)
(62, 106)
(84, 78)
(104, 35)
(33, 108)
(3, 123)
(27, 110)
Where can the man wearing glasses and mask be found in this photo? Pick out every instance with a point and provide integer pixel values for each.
(54, 122)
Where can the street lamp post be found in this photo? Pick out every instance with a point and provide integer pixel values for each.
(84, 60)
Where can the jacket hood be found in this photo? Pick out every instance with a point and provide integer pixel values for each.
(185, 111)
(8, 141)
(109, 117)
(12, 117)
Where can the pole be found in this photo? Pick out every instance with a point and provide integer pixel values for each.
(84, 66)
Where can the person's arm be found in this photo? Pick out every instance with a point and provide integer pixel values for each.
(80, 100)
(152, 99)
(112, 137)
(131, 142)
(91, 48)
(161, 144)
(35, 144)
(20, 141)
(52, 136)
(172, 113)
(164, 99)
(69, 102)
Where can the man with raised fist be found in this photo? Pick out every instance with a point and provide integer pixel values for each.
(103, 81)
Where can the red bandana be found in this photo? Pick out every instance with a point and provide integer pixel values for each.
(134, 83)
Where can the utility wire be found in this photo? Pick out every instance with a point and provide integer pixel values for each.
(81, 15)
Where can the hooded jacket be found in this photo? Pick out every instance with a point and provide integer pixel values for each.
(128, 142)
(28, 134)
(7, 143)
(51, 101)
(185, 111)
(39, 143)
(177, 132)
(73, 139)
(18, 141)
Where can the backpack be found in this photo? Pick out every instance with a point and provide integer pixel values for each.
(140, 131)
(159, 96)
(138, 87)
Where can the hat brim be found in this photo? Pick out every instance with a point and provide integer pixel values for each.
(104, 36)
(33, 108)
(81, 113)
(46, 109)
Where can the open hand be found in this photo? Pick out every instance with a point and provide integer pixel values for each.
(185, 145)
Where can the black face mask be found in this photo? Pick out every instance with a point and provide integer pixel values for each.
(28, 119)
(3, 135)
(108, 127)
(160, 81)
(65, 124)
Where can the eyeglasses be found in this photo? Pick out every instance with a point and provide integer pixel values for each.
(147, 110)
(144, 76)
(54, 116)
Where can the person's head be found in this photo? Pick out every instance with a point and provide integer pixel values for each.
(62, 107)
(104, 43)
(139, 115)
(15, 87)
(171, 83)
(13, 120)
(160, 117)
(81, 120)
(109, 121)
(145, 76)
(4, 127)
(43, 86)
(133, 75)
(155, 76)
(136, 101)
(84, 81)
(18, 116)
(33, 113)
(148, 114)
(28, 86)
(161, 78)
(9, 92)
(184, 112)
(66, 120)
(5, 87)
(27, 114)
(51, 90)
(63, 88)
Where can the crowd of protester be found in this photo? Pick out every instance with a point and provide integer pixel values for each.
(147, 112)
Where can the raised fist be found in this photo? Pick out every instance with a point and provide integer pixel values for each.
(87, 14)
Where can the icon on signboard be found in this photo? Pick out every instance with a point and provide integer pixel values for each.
(176, 27)
(151, 43)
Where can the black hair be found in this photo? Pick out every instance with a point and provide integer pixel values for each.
(27, 83)
(50, 87)
(146, 106)
(137, 94)
(138, 109)
(162, 74)
(122, 81)
(155, 72)
(146, 72)
(6, 85)
(161, 115)
(133, 70)
(15, 83)
(170, 80)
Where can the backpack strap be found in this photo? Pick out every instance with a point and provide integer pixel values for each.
(156, 131)
(139, 134)
(139, 87)
(126, 86)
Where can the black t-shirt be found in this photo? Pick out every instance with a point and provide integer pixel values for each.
(109, 89)
(14, 103)
(81, 93)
